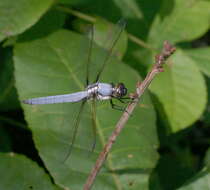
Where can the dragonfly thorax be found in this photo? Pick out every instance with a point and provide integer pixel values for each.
(92, 90)
(105, 91)
(100, 91)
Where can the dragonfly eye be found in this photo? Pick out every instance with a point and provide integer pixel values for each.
(124, 91)
(121, 90)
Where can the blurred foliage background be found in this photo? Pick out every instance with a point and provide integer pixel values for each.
(43, 51)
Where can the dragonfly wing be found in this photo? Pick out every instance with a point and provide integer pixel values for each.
(74, 97)
(91, 34)
(111, 42)
(75, 129)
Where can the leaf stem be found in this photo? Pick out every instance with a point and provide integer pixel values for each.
(167, 51)
(92, 19)
(76, 13)
(140, 42)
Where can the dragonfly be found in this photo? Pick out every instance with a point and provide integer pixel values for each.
(93, 91)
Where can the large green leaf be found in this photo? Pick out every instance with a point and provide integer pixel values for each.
(18, 172)
(179, 21)
(181, 92)
(17, 16)
(57, 65)
(48, 23)
(201, 56)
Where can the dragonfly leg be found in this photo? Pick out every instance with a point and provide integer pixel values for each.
(122, 101)
(128, 100)
(117, 107)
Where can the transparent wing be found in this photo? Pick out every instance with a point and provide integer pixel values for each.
(73, 97)
(75, 129)
(110, 43)
(91, 34)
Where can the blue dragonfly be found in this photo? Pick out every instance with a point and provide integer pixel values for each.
(94, 90)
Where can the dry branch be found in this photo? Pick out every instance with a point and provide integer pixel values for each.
(160, 59)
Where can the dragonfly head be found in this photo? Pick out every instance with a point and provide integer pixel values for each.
(119, 90)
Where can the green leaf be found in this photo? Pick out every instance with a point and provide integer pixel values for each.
(17, 16)
(179, 21)
(200, 181)
(181, 92)
(22, 173)
(50, 22)
(201, 56)
(57, 65)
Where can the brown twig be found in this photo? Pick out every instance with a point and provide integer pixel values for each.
(157, 68)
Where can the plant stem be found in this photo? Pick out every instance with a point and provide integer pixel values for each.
(140, 42)
(141, 87)
(76, 13)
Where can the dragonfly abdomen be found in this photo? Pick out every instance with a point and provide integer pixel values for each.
(74, 97)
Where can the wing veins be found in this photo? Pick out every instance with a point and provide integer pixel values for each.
(76, 125)
(121, 24)
(91, 32)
